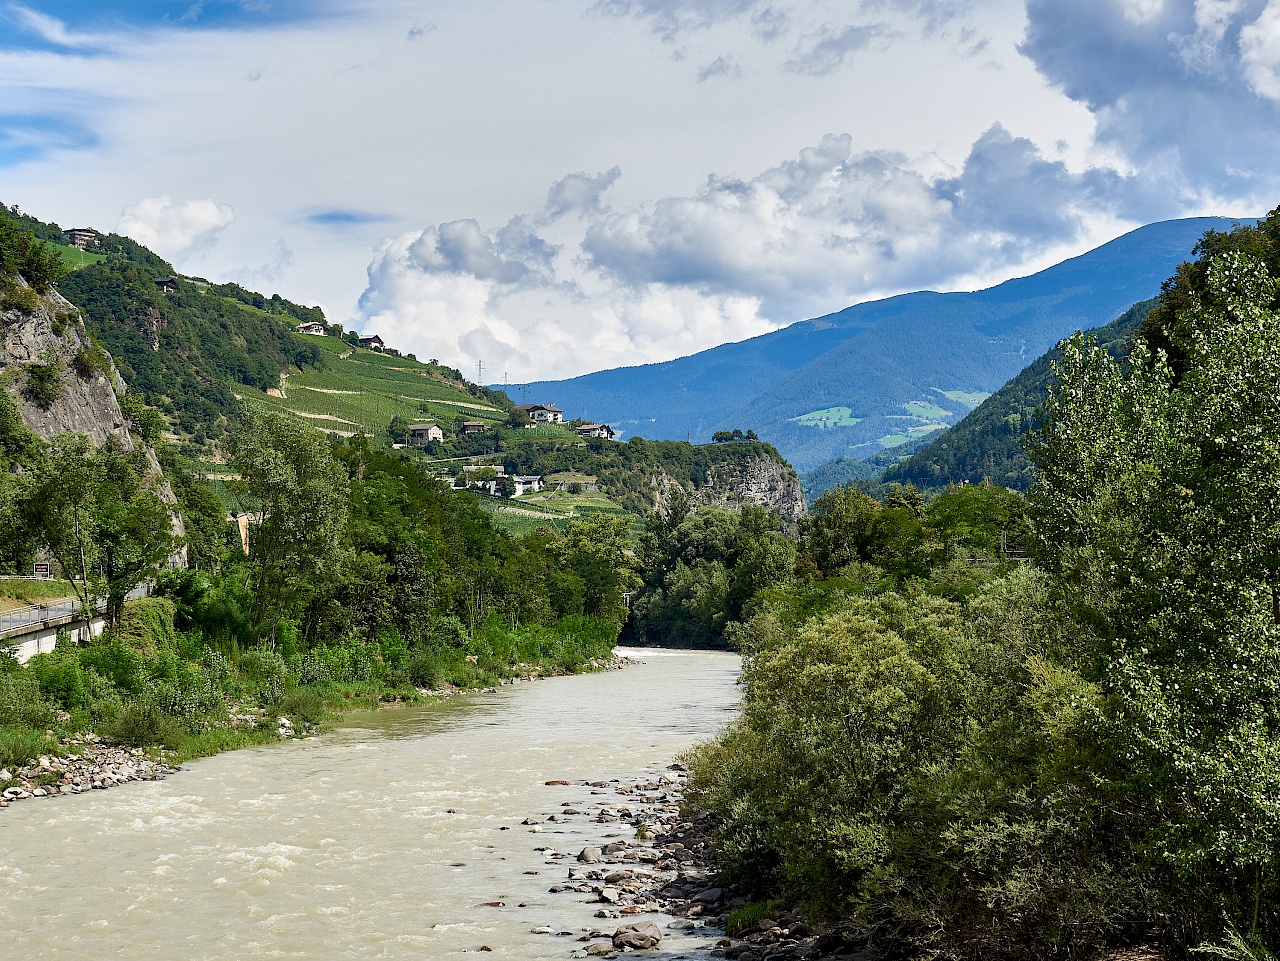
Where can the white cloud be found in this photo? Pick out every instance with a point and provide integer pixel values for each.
(739, 257)
(174, 230)
(1260, 52)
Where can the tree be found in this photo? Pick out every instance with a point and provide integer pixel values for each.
(96, 512)
(299, 495)
(1158, 514)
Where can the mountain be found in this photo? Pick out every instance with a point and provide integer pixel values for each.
(987, 443)
(881, 373)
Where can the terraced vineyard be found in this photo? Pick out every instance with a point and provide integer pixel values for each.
(359, 391)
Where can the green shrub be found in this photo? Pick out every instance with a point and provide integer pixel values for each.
(22, 703)
(744, 919)
(43, 385)
(60, 676)
(118, 663)
(90, 361)
(303, 704)
(22, 299)
(143, 724)
(21, 745)
(424, 669)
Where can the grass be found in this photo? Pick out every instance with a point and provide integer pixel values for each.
(18, 592)
(828, 418)
(926, 411)
(970, 398)
(73, 257)
(360, 393)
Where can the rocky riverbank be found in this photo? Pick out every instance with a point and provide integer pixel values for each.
(657, 882)
(88, 765)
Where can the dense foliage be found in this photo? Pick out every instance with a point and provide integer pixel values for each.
(1049, 758)
(183, 352)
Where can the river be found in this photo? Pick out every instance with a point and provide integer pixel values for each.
(341, 846)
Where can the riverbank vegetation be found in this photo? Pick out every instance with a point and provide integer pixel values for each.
(960, 754)
(354, 577)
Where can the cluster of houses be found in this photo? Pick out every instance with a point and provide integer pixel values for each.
(518, 484)
(551, 414)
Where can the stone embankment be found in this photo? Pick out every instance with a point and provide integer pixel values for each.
(663, 869)
(90, 765)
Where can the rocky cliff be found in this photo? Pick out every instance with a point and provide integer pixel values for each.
(761, 481)
(60, 381)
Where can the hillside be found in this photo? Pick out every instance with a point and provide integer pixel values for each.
(882, 373)
(987, 444)
(198, 350)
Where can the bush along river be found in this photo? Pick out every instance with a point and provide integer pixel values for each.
(535, 821)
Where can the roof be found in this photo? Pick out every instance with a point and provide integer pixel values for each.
(532, 407)
(473, 423)
(370, 337)
(423, 426)
(593, 427)
(527, 478)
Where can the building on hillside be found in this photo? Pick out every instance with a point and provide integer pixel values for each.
(543, 413)
(168, 285)
(372, 341)
(315, 328)
(81, 237)
(525, 484)
(422, 434)
(473, 427)
(498, 469)
(595, 430)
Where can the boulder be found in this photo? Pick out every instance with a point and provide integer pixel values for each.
(589, 855)
(637, 936)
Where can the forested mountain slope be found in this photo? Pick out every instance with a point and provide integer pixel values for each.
(880, 373)
(987, 444)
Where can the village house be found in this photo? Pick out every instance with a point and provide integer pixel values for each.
(312, 327)
(167, 284)
(595, 430)
(498, 469)
(422, 434)
(526, 484)
(81, 237)
(543, 413)
(373, 342)
(473, 427)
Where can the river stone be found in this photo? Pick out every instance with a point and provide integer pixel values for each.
(542, 930)
(609, 895)
(589, 855)
(599, 949)
(637, 936)
(711, 896)
(614, 848)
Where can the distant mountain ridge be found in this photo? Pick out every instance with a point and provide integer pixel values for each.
(885, 372)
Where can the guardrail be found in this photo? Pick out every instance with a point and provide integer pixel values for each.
(38, 614)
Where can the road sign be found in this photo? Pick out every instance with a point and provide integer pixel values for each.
(41, 570)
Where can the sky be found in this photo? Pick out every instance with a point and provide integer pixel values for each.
(559, 186)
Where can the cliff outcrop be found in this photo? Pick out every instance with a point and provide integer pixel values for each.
(761, 481)
(60, 381)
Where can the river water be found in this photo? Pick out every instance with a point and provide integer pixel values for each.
(342, 846)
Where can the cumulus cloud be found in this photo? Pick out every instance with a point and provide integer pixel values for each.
(740, 256)
(1188, 90)
(174, 230)
(722, 66)
(672, 17)
(578, 193)
(826, 50)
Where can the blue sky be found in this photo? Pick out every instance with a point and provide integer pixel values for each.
(562, 185)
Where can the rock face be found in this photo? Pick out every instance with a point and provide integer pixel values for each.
(760, 480)
(86, 405)
(87, 402)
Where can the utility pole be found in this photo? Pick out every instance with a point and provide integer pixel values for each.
(480, 372)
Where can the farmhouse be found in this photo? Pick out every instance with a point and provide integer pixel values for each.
(312, 327)
(167, 284)
(473, 427)
(595, 430)
(543, 413)
(526, 484)
(81, 237)
(372, 341)
(423, 434)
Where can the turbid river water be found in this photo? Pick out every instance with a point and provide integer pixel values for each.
(342, 846)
